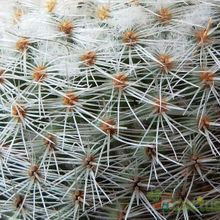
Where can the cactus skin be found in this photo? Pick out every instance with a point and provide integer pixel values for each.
(110, 110)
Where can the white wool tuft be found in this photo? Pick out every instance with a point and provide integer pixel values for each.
(128, 17)
(36, 24)
(198, 15)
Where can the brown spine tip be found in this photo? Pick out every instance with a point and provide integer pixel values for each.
(120, 81)
(65, 27)
(134, 2)
(17, 15)
(70, 99)
(50, 142)
(77, 196)
(164, 15)
(2, 73)
(194, 158)
(33, 171)
(130, 38)
(120, 215)
(39, 73)
(103, 12)
(203, 122)
(149, 152)
(166, 62)
(22, 44)
(160, 106)
(19, 200)
(88, 162)
(202, 36)
(50, 5)
(136, 184)
(108, 127)
(18, 112)
(88, 58)
(207, 78)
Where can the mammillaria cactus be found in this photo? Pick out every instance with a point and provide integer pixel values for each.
(110, 109)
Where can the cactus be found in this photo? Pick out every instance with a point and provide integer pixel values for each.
(110, 110)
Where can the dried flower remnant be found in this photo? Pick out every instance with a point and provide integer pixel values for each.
(39, 73)
(120, 81)
(108, 127)
(130, 38)
(66, 27)
(103, 12)
(22, 44)
(88, 58)
(70, 99)
(164, 15)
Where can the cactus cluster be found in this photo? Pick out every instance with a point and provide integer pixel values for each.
(110, 109)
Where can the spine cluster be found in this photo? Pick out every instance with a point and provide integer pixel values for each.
(109, 110)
